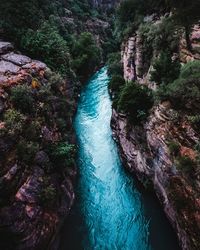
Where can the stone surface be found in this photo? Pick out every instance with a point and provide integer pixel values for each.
(5, 47)
(17, 59)
(8, 67)
(29, 224)
(146, 154)
(145, 150)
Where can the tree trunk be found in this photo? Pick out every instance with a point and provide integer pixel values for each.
(187, 38)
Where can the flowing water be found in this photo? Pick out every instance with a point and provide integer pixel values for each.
(110, 212)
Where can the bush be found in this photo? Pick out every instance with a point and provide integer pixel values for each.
(185, 164)
(47, 195)
(14, 122)
(135, 101)
(184, 93)
(165, 69)
(47, 45)
(116, 83)
(26, 151)
(114, 64)
(62, 154)
(86, 55)
(174, 148)
(21, 97)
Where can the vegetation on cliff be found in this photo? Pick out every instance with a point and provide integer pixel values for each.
(53, 31)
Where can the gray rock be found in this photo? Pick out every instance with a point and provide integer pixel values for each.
(16, 58)
(35, 64)
(6, 67)
(41, 158)
(5, 47)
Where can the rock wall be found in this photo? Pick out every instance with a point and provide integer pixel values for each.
(145, 153)
(145, 149)
(24, 222)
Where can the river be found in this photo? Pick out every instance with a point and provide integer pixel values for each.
(110, 212)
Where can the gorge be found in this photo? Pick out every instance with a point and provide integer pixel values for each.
(110, 212)
(109, 163)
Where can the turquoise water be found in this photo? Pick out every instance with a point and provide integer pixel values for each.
(110, 212)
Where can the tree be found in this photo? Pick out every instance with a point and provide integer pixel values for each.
(165, 69)
(86, 55)
(184, 93)
(135, 101)
(185, 13)
(116, 84)
(46, 44)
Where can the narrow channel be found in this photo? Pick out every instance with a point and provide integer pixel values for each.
(110, 212)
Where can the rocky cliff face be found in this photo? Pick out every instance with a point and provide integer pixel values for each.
(145, 149)
(29, 218)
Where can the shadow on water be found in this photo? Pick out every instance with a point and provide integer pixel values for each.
(112, 211)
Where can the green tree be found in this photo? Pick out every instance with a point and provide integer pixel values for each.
(22, 99)
(47, 45)
(185, 13)
(86, 55)
(116, 84)
(165, 69)
(184, 93)
(135, 101)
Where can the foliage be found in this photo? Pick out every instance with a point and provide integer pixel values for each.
(165, 69)
(114, 64)
(184, 93)
(86, 55)
(47, 196)
(14, 122)
(62, 154)
(47, 45)
(116, 83)
(22, 99)
(185, 13)
(185, 164)
(26, 151)
(132, 12)
(135, 101)
(174, 148)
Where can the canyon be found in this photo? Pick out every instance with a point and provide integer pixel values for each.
(145, 152)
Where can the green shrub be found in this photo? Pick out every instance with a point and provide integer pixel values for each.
(26, 151)
(114, 64)
(47, 45)
(14, 122)
(184, 93)
(32, 131)
(86, 55)
(135, 101)
(165, 70)
(47, 196)
(174, 148)
(116, 83)
(62, 154)
(185, 164)
(21, 96)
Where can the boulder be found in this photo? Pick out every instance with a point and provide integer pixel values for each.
(17, 59)
(8, 67)
(5, 47)
(41, 158)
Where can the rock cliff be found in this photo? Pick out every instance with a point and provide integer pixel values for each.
(145, 149)
(36, 191)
